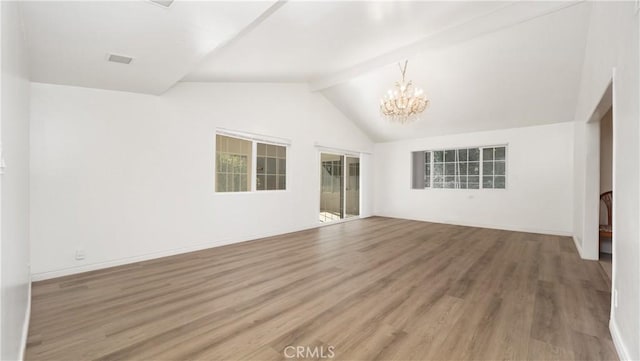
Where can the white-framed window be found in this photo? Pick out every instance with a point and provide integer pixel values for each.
(239, 159)
(427, 169)
(233, 164)
(460, 168)
(271, 167)
(494, 167)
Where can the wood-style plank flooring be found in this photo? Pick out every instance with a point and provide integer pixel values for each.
(371, 289)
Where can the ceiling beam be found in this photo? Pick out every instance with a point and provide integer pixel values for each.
(239, 35)
(503, 17)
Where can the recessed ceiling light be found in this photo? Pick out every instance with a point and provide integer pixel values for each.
(163, 3)
(119, 59)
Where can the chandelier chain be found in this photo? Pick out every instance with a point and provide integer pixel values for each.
(403, 69)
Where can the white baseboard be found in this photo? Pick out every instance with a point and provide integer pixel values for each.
(25, 326)
(41, 276)
(623, 352)
(578, 244)
(490, 226)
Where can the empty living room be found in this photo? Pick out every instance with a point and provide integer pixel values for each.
(319, 180)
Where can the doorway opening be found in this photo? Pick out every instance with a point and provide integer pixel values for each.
(605, 241)
(594, 205)
(339, 187)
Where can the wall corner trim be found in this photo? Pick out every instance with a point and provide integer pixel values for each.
(621, 349)
(25, 326)
(578, 244)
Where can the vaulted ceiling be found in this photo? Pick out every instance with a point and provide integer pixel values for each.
(69, 41)
(528, 74)
(484, 65)
(304, 41)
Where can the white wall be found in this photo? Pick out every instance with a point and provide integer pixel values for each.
(538, 197)
(606, 153)
(606, 174)
(14, 128)
(579, 170)
(613, 43)
(127, 176)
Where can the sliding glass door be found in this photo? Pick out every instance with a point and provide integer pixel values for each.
(339, 187)
(352, 187)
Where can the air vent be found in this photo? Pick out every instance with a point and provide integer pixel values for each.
(163, 3)
(120, 59)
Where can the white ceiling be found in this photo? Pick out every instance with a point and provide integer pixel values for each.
(305, 40)
(69, 41)
(527, 74)
(484, 65)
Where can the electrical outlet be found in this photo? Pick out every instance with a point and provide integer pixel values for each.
(615, 298)
(79, 254)
(2, 163)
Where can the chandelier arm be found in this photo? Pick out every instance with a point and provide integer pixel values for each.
(404, 103)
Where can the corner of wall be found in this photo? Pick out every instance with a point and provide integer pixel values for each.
(25, 326)
(578, 242)
(621, 349)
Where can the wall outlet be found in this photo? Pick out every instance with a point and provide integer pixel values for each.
(2, 163)
(615, 298)
(79, 254)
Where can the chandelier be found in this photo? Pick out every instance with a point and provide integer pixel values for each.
(405, 102)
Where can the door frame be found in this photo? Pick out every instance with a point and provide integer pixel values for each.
(344, 154)
(591, 196)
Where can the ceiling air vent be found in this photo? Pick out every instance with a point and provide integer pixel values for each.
(120, 59)
(163, 3)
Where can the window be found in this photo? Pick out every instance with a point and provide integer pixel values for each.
(235, 162)
(456, 168)
(494, 167)
(460, 168)
(427, 169)
(271, 167)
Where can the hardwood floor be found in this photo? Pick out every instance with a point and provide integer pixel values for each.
(371, 289)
